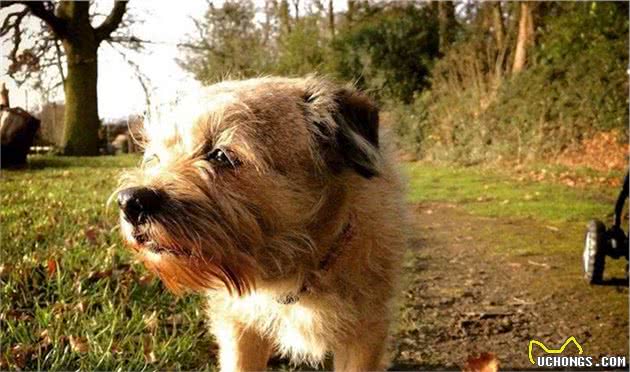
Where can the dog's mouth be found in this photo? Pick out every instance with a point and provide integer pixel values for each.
(144, 241)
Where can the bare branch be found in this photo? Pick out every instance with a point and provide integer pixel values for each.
(58, 54)
(44, 10)
(142, 78)
(17, 36)
(112, 21)
(7, 25)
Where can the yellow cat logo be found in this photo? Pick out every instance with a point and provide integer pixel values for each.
(552, 351)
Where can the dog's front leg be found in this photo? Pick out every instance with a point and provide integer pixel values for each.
(366, 352)
(241, 348)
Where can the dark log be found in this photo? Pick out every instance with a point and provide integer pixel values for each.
(17, 132)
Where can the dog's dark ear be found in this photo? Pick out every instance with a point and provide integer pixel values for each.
(353, 142)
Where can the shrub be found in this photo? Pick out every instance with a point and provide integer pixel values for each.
(575, 86)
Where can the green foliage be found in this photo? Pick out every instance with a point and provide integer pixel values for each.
(229, 44)
(576, 84)
(389, 49)
(303, 50)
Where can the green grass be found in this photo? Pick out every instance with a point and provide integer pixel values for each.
(54, 214)
(495, 194)
(65, 272)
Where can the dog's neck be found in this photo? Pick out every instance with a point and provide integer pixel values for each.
(311, 280)
(329, 218)
(332, 229)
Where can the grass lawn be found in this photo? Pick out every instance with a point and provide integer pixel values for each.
(495, 193)
(71, 297)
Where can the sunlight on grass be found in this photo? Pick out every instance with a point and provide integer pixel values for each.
(70, 298)
(489, 193)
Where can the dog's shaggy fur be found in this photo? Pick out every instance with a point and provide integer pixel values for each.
(297, 239)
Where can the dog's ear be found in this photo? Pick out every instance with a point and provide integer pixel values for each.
(351, 141)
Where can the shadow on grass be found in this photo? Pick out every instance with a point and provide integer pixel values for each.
(418, 367)
(283, 364)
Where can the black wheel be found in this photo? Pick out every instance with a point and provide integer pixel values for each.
(594, 252)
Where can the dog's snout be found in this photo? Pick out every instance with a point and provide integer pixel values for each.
(137, 203)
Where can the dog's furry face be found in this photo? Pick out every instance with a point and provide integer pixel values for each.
(242, 177)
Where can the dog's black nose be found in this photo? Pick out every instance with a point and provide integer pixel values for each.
(137, 203)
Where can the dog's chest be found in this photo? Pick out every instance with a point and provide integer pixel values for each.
(299, 330)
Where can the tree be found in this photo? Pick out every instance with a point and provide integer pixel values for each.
(229, 42)
(525, 36)
(389, 48)
(70, 23)
(331, 18)
(447, 24)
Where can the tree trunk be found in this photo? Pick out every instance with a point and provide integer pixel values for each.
(499, 35)
(497, 24)
(285, 17)
(352, 7)
(331, 18)
(525, 37)
(80, 136)
(446, 18)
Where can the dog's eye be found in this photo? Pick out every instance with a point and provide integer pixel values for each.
(150, 160)
(223, 158)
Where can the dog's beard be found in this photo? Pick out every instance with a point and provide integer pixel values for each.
(192, 248)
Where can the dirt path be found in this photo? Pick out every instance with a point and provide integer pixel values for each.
(474, 286)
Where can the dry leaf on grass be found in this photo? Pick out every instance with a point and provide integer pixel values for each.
(151, 321)
(80, 306)
(91, 233)
(485, 362)
(146, 280)
(149, 355)
(52, 266)
(115, 349)
(5, 270)
(78, 344)
(20, 354)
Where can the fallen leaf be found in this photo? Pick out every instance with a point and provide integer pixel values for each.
(146, 280)
(20, 354)
(4, 364)
(151, 321)
(485, 362)
(45, 342)
(175, 320)
(96, 275)
(80, 307)
(44, 336)
(91, 234)
(78, 344)
(115, 350)
(147, 345)
(52, 266)
(5, 270)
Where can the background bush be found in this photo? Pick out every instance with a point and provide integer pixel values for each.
(576, 85)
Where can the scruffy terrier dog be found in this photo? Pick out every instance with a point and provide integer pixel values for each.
(273, 196)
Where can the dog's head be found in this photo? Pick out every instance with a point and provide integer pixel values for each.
(233, 186)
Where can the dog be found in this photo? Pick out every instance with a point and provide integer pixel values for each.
(275, 197)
